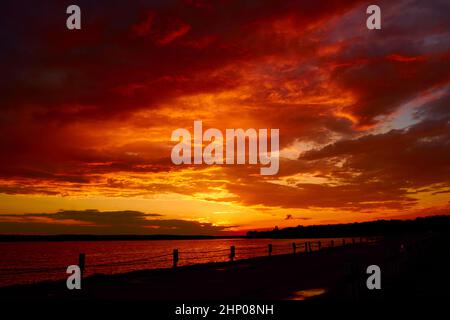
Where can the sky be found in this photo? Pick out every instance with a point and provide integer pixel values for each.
(86, 115)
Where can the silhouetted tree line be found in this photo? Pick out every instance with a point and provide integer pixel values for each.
(372, 228)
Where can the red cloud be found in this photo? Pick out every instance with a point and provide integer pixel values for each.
(94, 109)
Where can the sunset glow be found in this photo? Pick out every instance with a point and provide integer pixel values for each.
(87, 116)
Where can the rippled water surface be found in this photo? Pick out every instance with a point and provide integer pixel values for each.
(25, 262)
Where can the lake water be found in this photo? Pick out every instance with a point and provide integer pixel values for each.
(26, 262)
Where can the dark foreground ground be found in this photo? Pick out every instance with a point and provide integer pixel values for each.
(411, 267)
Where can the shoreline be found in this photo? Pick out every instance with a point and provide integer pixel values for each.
(278, 277)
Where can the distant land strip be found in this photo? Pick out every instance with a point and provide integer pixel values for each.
(371, 228)
(357, 229)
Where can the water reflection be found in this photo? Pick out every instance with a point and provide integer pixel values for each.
(306, 294)
(25, 262)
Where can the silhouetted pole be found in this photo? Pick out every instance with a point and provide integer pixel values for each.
(343, 242)
(81, 262)
(319, 244)
(306, 246)
(232, 253)
(309, 246)
(332, 243)
(269, 247)
(175, 257)
(294, 247)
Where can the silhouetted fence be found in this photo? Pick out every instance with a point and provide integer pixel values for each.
(234, 253)
(230, 254)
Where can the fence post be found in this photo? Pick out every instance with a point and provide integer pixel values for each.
(175, 257)
(294, 247)
(309, 246)
(319, 244)
(232, 253)
(81, 262)
(306, 246)
(269, 247)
